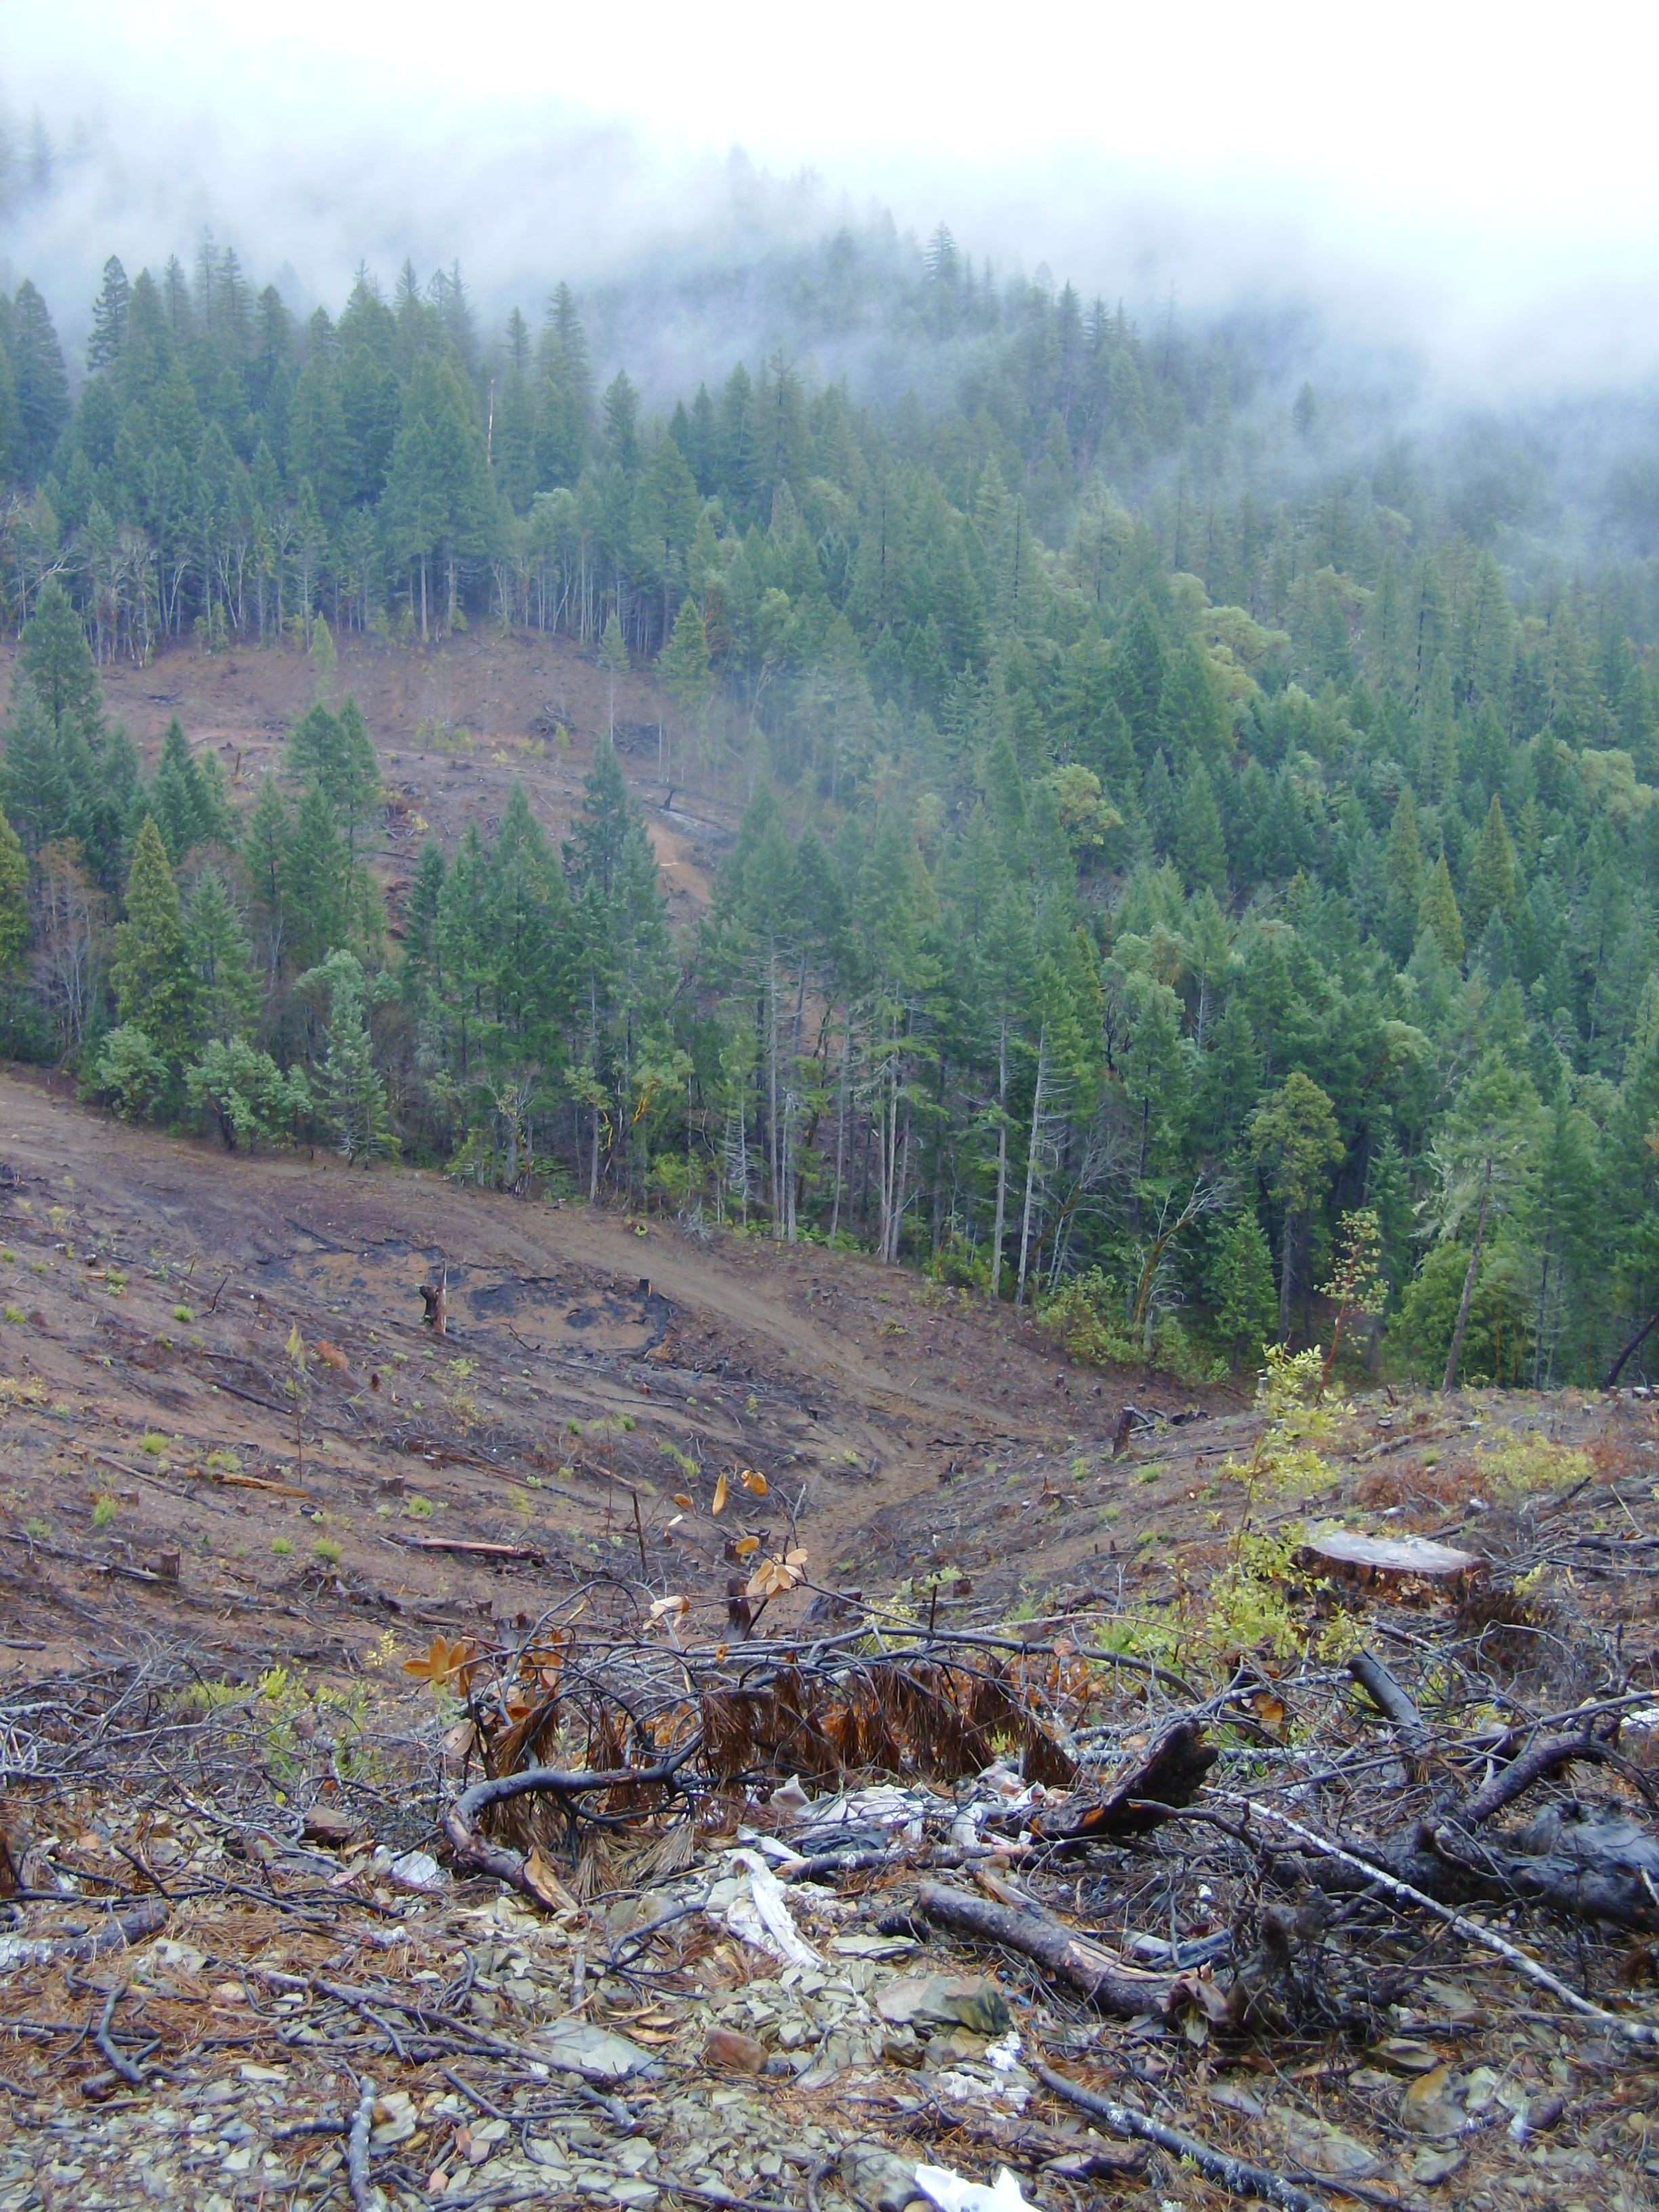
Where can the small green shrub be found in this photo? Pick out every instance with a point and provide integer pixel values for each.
(281, 1545)
(103, 1512)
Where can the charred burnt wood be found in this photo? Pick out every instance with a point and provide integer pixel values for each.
(1168, 1774)
(1578, 1861)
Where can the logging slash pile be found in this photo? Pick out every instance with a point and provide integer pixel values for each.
(832, 1905)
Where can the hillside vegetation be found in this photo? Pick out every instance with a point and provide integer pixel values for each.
(1197, 833)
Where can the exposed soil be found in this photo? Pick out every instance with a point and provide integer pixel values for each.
(153, 1286)
(511, 696)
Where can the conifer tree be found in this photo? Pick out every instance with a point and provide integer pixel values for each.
(1492, 879)
(1294, 1138)
(1242, 1285)
(154, 989)
(1439, 912)
(353, 1090)
(109, 318)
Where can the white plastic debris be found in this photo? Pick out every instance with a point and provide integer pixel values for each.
(952, 2194)
(1003, 2055)
(790, 1800)
(415, 1871)
(751, 1906)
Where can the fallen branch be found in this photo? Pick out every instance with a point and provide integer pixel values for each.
(474, 1850)
(105, 2042)
(1226, 2173)
(1392, 1702)
(1635, 2031)
(1087, 1966)
(472, 1550)
(1510, 1781)
(357, 2149)
(116, 1935)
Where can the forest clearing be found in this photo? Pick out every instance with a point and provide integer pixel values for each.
(828, 1231)
(1025, 1748)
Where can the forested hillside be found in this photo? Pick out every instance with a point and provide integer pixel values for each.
(1197, 847)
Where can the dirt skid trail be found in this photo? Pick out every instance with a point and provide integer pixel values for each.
(166, 1465)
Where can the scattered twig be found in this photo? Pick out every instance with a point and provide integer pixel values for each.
(357, 2149)
(1226, 2173)
(106, 2041)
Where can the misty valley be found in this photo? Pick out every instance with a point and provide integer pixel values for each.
(829, 1179)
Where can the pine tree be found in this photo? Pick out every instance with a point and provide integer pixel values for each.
(217, 948)
(53, 654)
(1403, 875)
(179, 800)
(14, 897)
(155, 989)
(353, 1090)
(1491, 886)
(1197, 845)
(1439, 912)
(1294, 1138)
(1241, 1286)
(39, 378)
(109, 318)
(39, 791)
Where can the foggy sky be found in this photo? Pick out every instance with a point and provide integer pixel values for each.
(1435, 175)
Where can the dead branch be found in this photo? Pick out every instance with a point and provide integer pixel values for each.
(1169, 1773)
(1386, 1694)
(357, 2149)
(1544, 1758)
(1234, 2173)
(1088, 1967)
(475, 1851)
(1635, 2031)
(105, 2042)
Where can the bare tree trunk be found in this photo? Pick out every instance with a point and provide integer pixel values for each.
(1635, 1345)
(840, 1129)
(995, 1289)
(1031, 1168)
(1453, 1356)
(1286, 1265)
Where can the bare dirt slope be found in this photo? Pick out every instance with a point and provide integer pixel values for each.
(150, 1288)
(530, 709)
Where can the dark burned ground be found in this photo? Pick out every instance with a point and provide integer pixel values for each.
(215, 1956)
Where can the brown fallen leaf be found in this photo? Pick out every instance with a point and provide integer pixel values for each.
(544, 1880)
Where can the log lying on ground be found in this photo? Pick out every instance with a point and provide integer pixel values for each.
(1169, 1774)
(1106, 1980)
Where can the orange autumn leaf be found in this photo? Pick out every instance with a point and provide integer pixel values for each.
(772, 1577)
(754, 1482)
(443, 1662)
(745, 1545)
(682, 1501)
(719, 1505)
